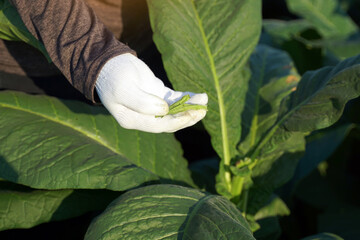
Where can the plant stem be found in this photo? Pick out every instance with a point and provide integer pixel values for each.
(237, 186)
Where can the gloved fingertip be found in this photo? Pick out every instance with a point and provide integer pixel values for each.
(192, 117)
(200, 98)
(197, 115)
(153, 105)
(162, 108)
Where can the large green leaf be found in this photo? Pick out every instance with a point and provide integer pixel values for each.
(13, 29)
(317, 103)
(321, 96)
(169, 212)
(325, 15)
(274, 151)
(205, 45)
(23, 207)
(52, 144)
(273, 77)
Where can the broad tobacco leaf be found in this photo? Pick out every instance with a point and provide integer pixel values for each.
(275, 150)
(325, 15)
(321, 96)
(317, 103)
(273, 77)
(204, 47)
(169, 212)
(23, 207)
(13, 29)
(52, 144)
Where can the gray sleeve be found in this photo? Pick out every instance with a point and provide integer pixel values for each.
(77, 42)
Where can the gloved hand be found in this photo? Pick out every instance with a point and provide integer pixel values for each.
(134, 96)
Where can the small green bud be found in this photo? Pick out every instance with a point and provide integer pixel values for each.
(181, 106)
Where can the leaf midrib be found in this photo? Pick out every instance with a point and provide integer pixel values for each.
(87, 134)
(224, 133)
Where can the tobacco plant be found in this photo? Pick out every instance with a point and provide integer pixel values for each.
(60, 159)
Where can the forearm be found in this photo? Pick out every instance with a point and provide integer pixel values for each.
(77, 42)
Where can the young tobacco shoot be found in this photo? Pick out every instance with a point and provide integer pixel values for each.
(182, 106)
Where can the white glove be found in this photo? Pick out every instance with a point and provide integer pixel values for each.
(134, 96)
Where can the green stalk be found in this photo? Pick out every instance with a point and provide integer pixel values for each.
(237, 185)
